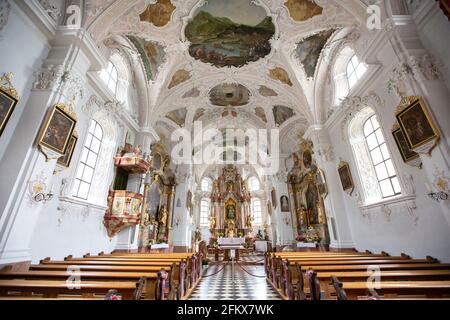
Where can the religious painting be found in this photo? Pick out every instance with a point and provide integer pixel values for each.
(178, 116)
(230, 33)
(7, 104)
(159, 13)
(281, 75)
(308, 51)
(402, 145)
(229, 95)
(274, 198)
(193, 93)
(284, 203)
(58, 130)
(179, 77)
(66, 159)
(346, 177)
(260, 113)
(189, 202)
(152, 55)
(312, 203)
(281, 114)
(269, 208)
(267, 92)
(302, 10)
(417, 125)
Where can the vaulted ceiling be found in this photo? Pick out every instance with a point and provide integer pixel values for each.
(261, 63)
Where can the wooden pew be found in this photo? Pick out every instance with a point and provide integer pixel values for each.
(53, 288)
(151, 279)
(353, 290)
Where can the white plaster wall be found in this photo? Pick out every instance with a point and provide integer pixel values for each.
(18, 34)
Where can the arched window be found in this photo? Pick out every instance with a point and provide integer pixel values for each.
(381, 158)
(355, 71)
(256, 211)
(253, 184)
(204, 213)
(88, 161)
(206, 185)
(376, 170)
(110, 77)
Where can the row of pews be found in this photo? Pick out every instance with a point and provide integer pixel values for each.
(356, 276)
(161, 276)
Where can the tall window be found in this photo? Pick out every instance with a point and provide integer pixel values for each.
(204, 213)
(253, 184)
(381, 159)
(206, 185)
(110, 76)
(355, 71)
(88, 161)
(256, 210)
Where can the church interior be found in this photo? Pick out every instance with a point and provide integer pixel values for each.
(224, 150)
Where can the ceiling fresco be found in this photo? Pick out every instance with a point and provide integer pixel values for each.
(308, 51)
(152, 55)
(281, 75)
(302, 10)
(229, 95)
(199, 113)
(260, 113)
(179, 77)
(281, 114)
(193, 93)
(230, 33)
(178, 116)
(267, 92)
(159, 13)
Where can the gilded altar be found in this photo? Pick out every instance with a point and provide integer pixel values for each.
(308, 188)
(230, 210)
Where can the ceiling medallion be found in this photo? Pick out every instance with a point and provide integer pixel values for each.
(302, 10)
(230, 33)
(159, 13)
(229, 94)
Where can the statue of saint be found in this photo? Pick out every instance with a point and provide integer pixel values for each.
(249, 221)
(163, 219)
(212, 222)
(230, 229)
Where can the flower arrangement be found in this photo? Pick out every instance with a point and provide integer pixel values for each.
(300, 238)
(312, 235)
(221, 235)
(240, 234)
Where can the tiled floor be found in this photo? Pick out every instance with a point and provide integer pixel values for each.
(246, 287)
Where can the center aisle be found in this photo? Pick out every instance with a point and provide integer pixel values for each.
(247, 287)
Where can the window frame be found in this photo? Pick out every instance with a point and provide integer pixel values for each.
(250, 185)
(257, 219)
(83, 164)
(107, 77)
(204, 216)
(384, 159)
(210, 184)
(358, 69)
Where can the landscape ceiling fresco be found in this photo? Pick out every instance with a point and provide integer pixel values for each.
(179, 77)
(267, 92)
(229, 95)
(178, 116)
(152, 55)
(281, 114)
(281, 75)
(308, 51)
(159, 13)
(302, 10)
(230, 33)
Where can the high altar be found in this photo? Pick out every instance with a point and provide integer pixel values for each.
(308, 188)
(230, 201)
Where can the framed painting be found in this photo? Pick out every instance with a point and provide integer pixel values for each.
(7, 104)
(57, 132)
(322, 183)
(417, 126)
(66, 159)
(406, 153)
(274, 198)
(346, 177)
(284, 203)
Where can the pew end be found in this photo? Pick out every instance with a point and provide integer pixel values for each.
(338, 288)
(405, 256)
(69, 257)
(45, 260)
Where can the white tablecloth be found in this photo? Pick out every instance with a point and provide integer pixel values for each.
(306, 245)
(230, 241)
(261, 246)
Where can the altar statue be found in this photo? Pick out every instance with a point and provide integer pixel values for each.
(249, 221)
(230, 229)
(163, 219)
(212, 222)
